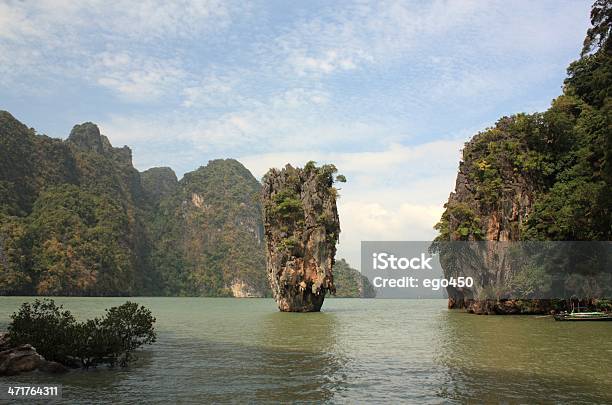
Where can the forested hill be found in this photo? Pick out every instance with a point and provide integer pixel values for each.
(539, 177)
(544, 176)
(76, 218)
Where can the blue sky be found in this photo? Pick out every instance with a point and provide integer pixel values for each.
(388, 91)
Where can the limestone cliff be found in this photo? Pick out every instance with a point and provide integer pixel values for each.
(491, 201)
(537, 177)
(76, 218)
(207, 231)
(302, 228)
(531, 177)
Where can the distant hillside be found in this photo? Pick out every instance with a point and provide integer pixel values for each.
(350, 283)
(206, 231)
(76, 218)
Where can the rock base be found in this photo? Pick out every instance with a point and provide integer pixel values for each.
(23, 359)
(301, 301)
(507, 306)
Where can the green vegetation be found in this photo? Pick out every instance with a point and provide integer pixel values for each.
(542, 177)
(77, 219)
(58, 336)
(68, 223)
(350, 283)
(560, 160)
(468, 224)
(531, 282)
(286, 207)
(287, 204)
(207, 233)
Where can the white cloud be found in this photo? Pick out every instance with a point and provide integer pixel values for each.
(213, 91)
(151, 20)
(300, 97)
(345, 84)
(15, 24)
(146, 20)
(361, 34)
(396, 193)
(330, 61)
(117, 45)
(135, 77)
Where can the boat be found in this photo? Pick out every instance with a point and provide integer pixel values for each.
(583, 316)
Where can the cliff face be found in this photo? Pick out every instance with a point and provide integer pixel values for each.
(535, 177)
(159, 183)
(214, 222)
(491, 202)
(76, 218)
(69, 222)
(302, 228)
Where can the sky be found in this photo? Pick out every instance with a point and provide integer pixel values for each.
(387, 91)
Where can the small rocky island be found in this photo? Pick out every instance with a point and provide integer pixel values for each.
(302, 228)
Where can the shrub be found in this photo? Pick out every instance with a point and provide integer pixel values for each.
(128, 327)
(45, 326)
(57, 335)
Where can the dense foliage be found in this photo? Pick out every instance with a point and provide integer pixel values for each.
(350, 283)
(207, 234)
(77, 219)
(58, 336)
(286, 211)
(561, 159)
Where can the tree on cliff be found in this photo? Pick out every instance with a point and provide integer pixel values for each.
(539, 177)
(598, 35)
(544, 176)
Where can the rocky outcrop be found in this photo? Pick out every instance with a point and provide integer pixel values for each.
(512, 306)
(159, 182)
(87, 137)
(500, 198)
(25, 358)
(241, 289)
(491, 201)
(538, 177)
(115, 231)
(301, 227)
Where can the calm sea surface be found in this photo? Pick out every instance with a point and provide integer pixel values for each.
(356, 351)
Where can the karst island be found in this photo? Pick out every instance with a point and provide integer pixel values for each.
(302, 228)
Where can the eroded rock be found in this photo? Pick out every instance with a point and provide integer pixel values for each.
(20, 359)
(301, 227)
(24, 358)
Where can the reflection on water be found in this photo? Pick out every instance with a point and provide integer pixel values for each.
(298, 357)
(524, 357)
(244, 350)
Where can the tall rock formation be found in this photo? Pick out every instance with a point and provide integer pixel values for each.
(535, 177)
(302, 228)
(492, 200)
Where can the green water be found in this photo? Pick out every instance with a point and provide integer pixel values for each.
(243, 350)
